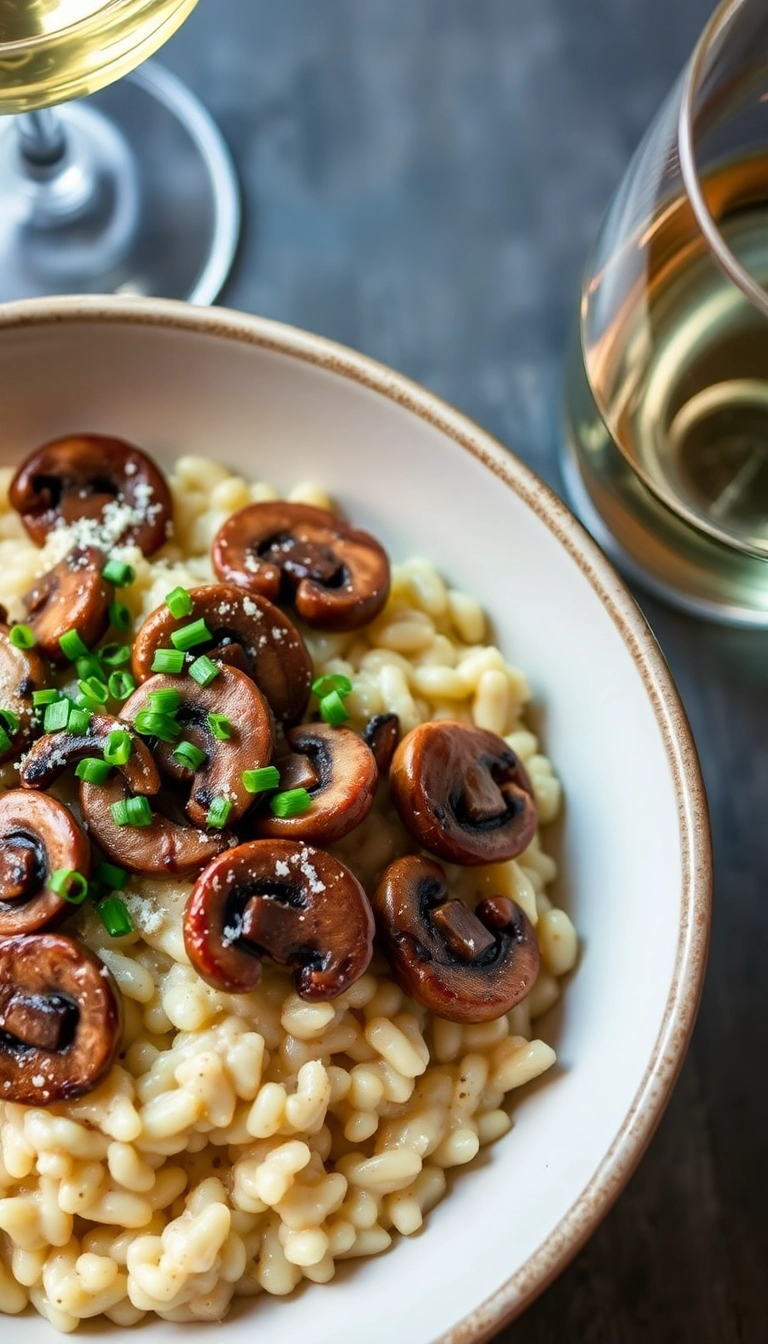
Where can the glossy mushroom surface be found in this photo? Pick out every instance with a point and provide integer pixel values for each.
(382, 734)
(338, 770)
(53, 752)
(239, 700)
(22, 671)
(164, 848)
(88, 476)
(293, 903)
(248, 632)
(71, 596)
(463, 793)
(38, 837)
(60, 1019)
(337, 576)
(465, 966)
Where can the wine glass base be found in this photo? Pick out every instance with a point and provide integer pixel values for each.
(148, 202)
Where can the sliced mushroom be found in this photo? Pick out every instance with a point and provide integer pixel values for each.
(71, 596)
(463, 793)
(247, 632)
(53, 752)
(465, 966)
(93, 477)
(285, 900)
(60, 1019)
(22, 671)
(382, 733)
(339, 773)
(337, 577)
(234, 696)
(162, 849)
(38, 836)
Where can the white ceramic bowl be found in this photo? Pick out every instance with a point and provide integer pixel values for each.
(286, 406)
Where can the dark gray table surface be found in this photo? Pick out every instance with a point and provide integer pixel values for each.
(422, 180)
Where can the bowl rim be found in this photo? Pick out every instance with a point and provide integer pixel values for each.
(579, 1222)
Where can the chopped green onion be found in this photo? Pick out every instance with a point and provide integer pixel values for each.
(333, 709)
(94, 692)
(9, 720)
(92, 770)
(117, 748)
(220, 726)
(72, 646)
(114, 654)
(45, 697)
(22, 637)
(218, 813)
(57, 715)
(79, 721)
(132, 812)
(334, 681)
(109, 875)
(257, 781)
(179, 602)
(5, 741)
(164, 702)
(187, 636)
(161, 726)
(89, 666)
(188, 755)
(169, 661)
(69, 884)
(121, 685)
(120, 616)
(204, 671)
(119, 573)
(291, 803)
(115, 917)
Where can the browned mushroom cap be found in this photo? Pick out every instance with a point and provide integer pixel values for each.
(53, 752)
(71, 596)
(295, 904)
(337, 577)
(247, 632)
(38, 836)
(166, 847)
(338, 771)
(22, 671)
(464, 966)
(234, 696)
(382, 733)
(60, 1019)
(89, 476)
(463, 793)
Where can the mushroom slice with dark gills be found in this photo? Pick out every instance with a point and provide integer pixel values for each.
(88, 476)
(463, 793)
(38, 837)
(464, 965)
(284, 900)
(382, 734)
(60, 1019)
(336, 576)
(71, 596)
(22, 671)
(247, 632)
(338, 770)
(158, 843)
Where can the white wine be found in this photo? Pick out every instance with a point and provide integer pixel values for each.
(679, 377)
(55, 50)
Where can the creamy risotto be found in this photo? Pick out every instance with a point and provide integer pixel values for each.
(242, 1142)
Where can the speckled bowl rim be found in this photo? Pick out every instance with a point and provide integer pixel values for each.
(629, 1144)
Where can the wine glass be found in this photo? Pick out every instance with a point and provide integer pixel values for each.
(667, 389)
(131, 190)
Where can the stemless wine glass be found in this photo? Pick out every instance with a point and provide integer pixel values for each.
(667, 389)
(131, 190)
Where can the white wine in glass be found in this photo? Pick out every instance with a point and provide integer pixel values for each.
(133, 190)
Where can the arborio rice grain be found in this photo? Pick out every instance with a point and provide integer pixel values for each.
(245, 1142)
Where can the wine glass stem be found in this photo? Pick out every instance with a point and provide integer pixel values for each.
(41, 137)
